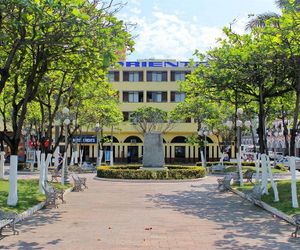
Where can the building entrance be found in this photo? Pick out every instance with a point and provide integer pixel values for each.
(133, 154)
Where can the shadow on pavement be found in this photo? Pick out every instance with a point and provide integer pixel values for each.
(232, 214)
(42, 218)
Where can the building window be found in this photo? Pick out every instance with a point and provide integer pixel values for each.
(126, 116)
(133, 96)
(177, 96)
(157, 96)
(113, 76)
(179, 75)
(157, 76)
(133, 76)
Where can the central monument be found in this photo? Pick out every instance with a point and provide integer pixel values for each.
(153, 156)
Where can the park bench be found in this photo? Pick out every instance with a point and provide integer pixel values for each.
(248, 175)
(52, 194)
(255, 195)
(224, 183)
(217, 168)
(296, 219)
(55, 174)
(8, 220)
(79, 183)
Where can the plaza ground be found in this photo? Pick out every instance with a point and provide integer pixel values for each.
(149, 215)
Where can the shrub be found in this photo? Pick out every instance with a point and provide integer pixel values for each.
(173, 172)
(280, 167)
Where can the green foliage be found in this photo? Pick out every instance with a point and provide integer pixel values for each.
(56, 53)
(281, 167)
(132, 172)
(149, 119)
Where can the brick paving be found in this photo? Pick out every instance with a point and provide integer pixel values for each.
(125, 215)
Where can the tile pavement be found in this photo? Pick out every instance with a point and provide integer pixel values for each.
(124, 215)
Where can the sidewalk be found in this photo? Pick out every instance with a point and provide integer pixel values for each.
(122, 215)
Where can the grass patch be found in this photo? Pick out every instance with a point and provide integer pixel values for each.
(245, 168)
(28, 194)
(285, 196)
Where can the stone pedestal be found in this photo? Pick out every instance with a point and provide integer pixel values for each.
(153, 155)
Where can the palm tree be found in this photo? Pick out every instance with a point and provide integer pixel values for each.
(260, 19)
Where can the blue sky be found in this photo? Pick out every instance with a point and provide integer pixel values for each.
(174, 29)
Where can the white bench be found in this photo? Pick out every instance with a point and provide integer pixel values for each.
(218, 167)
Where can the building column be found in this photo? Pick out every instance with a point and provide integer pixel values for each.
(140, 151)
(187, 152)
(121, 75)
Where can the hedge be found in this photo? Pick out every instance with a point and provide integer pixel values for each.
(171, 173)
(226, 163)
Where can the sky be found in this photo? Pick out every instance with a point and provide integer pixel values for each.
(174, 29)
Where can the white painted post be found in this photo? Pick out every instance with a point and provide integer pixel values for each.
(63, 169)
(12, 199)
(222, 159)
(292, 164)
(72, 158)
(42, 173)
(56, 157)
(38, 156)
(257, 162)
(81, 155)
(76, 156)
(100, 158)
(2, 160)
(48, 160)
(274, 185)
(264, 174)
(203, 163)
(111, 160)
(239, 162)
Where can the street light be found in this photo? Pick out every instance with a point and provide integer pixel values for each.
(204, 131)
(97, 129)
(239, 125)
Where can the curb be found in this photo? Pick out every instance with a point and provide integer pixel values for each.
(35, 208)
(147, 180)
(265, 206)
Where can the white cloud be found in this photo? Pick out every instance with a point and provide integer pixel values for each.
(135, 2)
(168, 36)
(135, 10)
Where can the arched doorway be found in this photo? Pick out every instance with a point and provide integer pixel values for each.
(133, 149)
(107, 147)
(179, 148)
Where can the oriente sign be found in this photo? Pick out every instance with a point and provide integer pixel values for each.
(158, 64)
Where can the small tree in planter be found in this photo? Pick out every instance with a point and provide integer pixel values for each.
(152, 123)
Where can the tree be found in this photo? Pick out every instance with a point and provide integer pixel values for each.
(149, 119)
(245, 65)
(41, 36)
(282, 31)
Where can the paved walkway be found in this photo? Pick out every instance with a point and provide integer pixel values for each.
(122, 215)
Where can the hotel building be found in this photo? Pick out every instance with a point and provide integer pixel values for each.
(150, 83)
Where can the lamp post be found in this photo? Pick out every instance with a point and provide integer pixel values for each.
(65, 177)
(97, 129)
(204, 132)
(239, 125)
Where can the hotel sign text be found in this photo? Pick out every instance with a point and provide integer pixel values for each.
(157, 64)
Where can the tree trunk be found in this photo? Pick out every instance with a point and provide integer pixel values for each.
(253, 139)
(261, 122)
(295, 121)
